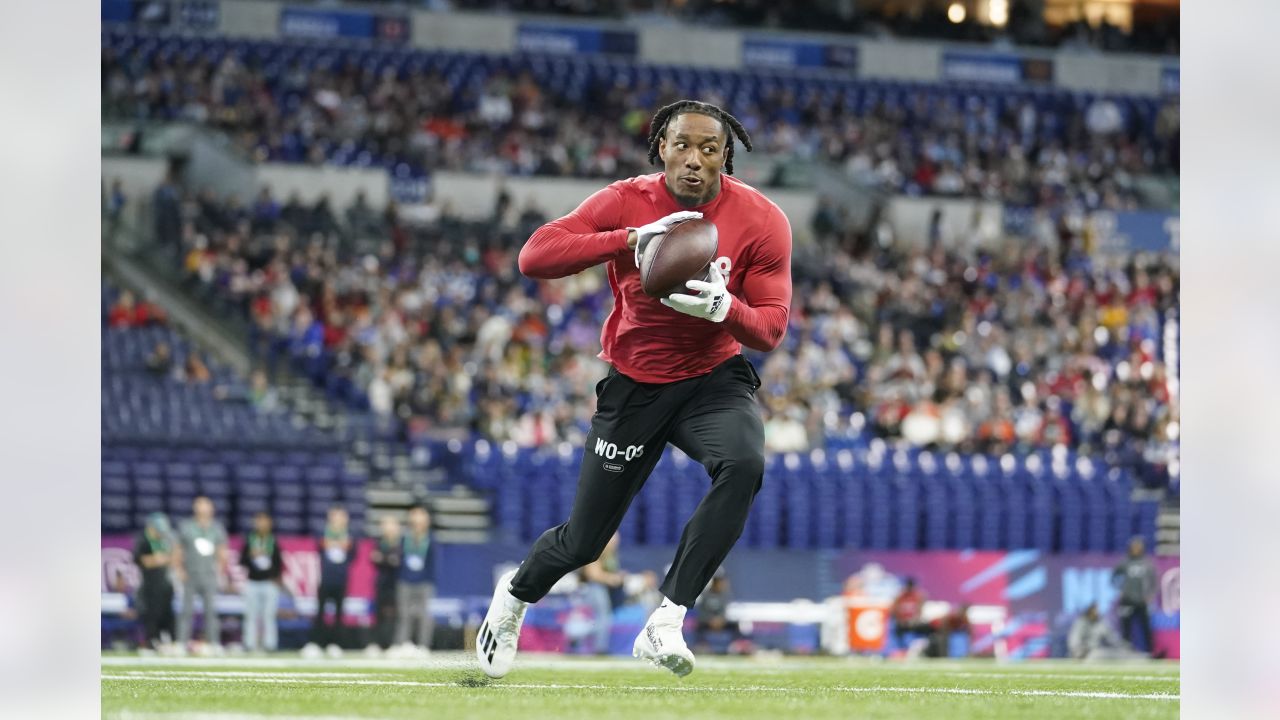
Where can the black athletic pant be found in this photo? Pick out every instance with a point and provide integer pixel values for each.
(384, 628)
(1136, 614)
(323, 633)
(156, 606)
(714, 419)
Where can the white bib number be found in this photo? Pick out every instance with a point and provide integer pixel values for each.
(262, 562)
(336, 555)
(204, 546)
(415, 562)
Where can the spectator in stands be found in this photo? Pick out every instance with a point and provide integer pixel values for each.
(127, 312)
(166, 206)
(202, 563)
(603, 580)
(386, 558)
(783, 430)
(983, 347)
(416, 586)
(1091, 638)
(924, 142)
(264, 564)
(362, 219)
(337, 550)
(123, 313)
(160, 361)
(194, 371)
(259, 393)
(907, 613)
(265, 211)
(715, 632)
(154, 552)
(1135, 577)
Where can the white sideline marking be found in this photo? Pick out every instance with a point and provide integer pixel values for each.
(305, 674)
(245, 674)
(134, 715)
(284, 679)
(464, 661)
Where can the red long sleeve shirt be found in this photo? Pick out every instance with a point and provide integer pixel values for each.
(644, 339)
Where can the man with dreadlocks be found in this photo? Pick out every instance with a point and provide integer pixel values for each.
(678, 374)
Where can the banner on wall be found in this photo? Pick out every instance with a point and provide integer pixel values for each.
(409, 185)
(1135, 231)
(1041, 593)
(773, 52)
(117, 11)
(332, 24)
(574, 40)
(995, 68)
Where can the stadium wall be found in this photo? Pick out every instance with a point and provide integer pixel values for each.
(960, 220)
(471, 194)
(905, 60)
(1039, 593)
(475, 33)
(249, 18)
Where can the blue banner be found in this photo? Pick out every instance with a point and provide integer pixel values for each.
(572, 40)
(1136, 231)
(773, 52)
(329, 24)
(981, 67)
(198, 14)
(409, 186)
(117, 10)
(782, 53)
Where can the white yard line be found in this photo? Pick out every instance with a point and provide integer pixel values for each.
(464, 661)
(784, 669)
(1013, 675)
(246, 674)
(289, 678)
(133, 715)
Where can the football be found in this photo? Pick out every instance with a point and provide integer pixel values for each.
(683, 253)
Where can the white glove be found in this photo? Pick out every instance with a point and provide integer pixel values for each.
(712, 303)
(645, 233)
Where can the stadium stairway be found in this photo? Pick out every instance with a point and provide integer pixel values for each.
(398, 476)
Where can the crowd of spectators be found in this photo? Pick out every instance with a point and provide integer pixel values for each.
(1023, 344)
(923, 143)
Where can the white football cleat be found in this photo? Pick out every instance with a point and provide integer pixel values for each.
(500, 632)
(661, 642)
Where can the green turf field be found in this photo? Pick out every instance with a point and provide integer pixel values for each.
(449, 686)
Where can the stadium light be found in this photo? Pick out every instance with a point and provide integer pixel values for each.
(998, 12)
(956, 13)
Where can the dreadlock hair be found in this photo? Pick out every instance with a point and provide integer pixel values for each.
(664, 116)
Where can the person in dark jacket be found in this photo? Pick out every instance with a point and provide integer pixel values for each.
(337, 550)
(417, 584)
(386, 557)
(1136, 579)
(265, 565)
(153, 552)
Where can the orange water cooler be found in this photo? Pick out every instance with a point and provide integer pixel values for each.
(868, 622)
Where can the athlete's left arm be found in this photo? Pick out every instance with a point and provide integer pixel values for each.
(758, 316)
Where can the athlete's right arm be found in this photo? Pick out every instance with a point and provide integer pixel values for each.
(590, 235)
